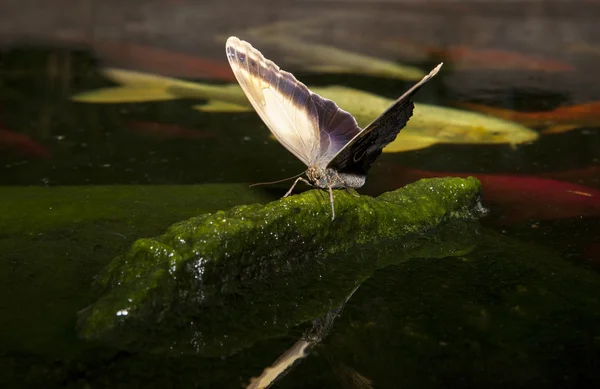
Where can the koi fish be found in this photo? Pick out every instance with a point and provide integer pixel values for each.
(155, 59)
(166, 131)
(591, 253)
(429, 125)
(321, 58)
(469, 58)
(520, 197)
(462, 57)
(558, 120)
(583, 48)
(589, 175)
(21, 145)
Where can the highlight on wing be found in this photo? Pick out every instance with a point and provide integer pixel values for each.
(312, 337)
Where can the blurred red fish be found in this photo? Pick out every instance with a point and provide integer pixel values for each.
(472, 58)
(591, 253)
(164, 62)
(465, 57)
(589, 175)
(522, 198)
(167, 131)
(560, 119)
(152, 59)
(21, 145)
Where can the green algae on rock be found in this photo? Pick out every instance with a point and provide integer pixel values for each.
(221, 281)
(54, 240)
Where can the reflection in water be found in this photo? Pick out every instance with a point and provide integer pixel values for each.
(319, 330)
(278, 369)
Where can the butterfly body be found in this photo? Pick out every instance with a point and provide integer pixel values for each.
(327, 139)
(325, 178)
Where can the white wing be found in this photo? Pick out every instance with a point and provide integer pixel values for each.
(311, 127)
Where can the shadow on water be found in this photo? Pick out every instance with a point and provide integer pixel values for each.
(79, 183)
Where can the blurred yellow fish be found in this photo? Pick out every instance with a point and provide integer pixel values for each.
(321, 58)
(429, 125)
(314, 57)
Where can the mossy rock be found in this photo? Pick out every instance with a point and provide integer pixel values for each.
(221, 281)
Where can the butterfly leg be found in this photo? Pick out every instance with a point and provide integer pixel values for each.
(331, 200)
(289, 192)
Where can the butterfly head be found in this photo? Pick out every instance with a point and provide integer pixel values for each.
(318, 176)
(325, 178)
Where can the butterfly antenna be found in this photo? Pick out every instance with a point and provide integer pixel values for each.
(278, 181)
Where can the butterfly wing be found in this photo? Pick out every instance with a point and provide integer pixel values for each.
(360, 153)
(313, 128)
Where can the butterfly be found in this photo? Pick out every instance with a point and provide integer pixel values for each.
(327, 139)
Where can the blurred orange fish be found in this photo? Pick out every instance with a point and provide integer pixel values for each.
(166, 130)
(521, 198)
(21, 145)
(560, 119)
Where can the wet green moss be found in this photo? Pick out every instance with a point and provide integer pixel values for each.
(220, 281)
(55, 240)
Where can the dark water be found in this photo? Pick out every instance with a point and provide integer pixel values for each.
(80, 182)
